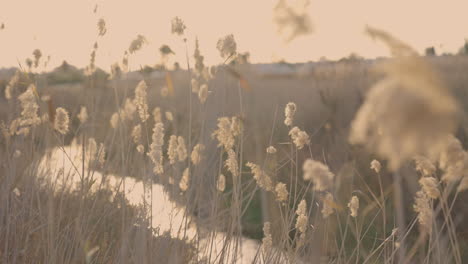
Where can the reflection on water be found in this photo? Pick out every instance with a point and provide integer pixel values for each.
(63, 166)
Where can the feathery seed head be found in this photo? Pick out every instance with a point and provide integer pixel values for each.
(169, 116)
(424, 165)
(289, 112)
(83, 115)
(203, 93)
(221, 183)
(453, 160)
(231, 163)
(181, 149)
(195, 86)
(353, 206)
(227, 130)
(236, 126)
(422, 206)
(11, 86)
(136, 134)
(299, 137)
(37, 54)
(17, 154)
(129, 110)
(227, 46)
(115, 120)
(61, 120)
(101, 27)
(271, 150)
(157, 115)
(177, 26)
(328, 202)
(292, 20)
(30, 107)
(197, 153)
(199, 65)
(319, 173)
(260, 176)
(140, 148)
(136, 44)
(155, 152)
(302, 217)
(267, 241)
(281, 192)
(172, 149)
(429, 186)
(409, 112)
(141, 100)
(5, 131)
(376, 166)
(184, 182)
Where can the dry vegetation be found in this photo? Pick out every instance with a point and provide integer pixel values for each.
(347, 162)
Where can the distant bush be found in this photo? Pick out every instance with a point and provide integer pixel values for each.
(464, 49)
(65, 73)
(430, 51)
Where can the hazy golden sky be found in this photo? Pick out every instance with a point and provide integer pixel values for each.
(66, 29)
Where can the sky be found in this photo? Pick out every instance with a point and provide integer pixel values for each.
(67, 29)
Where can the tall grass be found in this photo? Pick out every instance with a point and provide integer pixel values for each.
(240, 168)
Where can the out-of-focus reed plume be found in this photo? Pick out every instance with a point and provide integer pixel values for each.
(407, 113)
(227, 46)
(137, 44)
(178, 26)
(292, 20)
(101, 27)
(61, 120)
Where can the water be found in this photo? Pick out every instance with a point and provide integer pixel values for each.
(62, 167)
